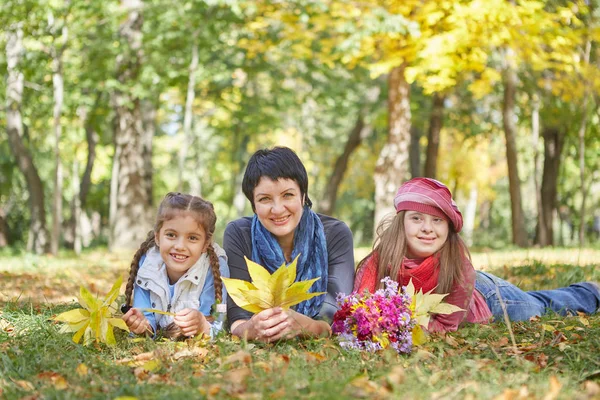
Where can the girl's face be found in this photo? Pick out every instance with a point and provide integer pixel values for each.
(278, 206)
(181, 242)
(425, 234)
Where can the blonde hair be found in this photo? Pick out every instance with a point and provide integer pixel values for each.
(391, 247)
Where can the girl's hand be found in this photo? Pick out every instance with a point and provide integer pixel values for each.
(191, 322)
(137, 322)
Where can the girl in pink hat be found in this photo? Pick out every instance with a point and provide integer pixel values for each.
(422, 243)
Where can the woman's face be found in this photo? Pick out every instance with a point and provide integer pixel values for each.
(278, 206)
(425, 234)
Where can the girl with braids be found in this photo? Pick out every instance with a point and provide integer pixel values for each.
(422, 243)
(177, 269)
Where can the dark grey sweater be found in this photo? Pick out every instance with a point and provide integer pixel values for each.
(340, 253)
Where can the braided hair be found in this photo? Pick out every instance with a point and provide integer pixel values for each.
(172, 206)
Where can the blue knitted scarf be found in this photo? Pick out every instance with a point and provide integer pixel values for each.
(309, 242)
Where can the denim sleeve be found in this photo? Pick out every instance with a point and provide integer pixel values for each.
(141, 299)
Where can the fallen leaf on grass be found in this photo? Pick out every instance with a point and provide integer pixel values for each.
(314, 357)
(514, 394)
(196, 352)
(362, 387)
(396, 376)
(56, 379)
(241, 356)
(25, 385)
(82, 370)
(591, 388)
(555, 387)
(238, 376)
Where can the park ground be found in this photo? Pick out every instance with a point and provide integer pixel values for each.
(547, 358)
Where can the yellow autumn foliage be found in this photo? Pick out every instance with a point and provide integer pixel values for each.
(269, 290)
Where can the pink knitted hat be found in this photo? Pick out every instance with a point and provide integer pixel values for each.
(428, 196)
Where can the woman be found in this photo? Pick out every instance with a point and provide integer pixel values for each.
(283, 227)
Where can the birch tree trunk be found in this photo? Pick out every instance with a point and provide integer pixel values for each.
(188, 115)
(510, 132)
(392, 165)
(37, 240)
(130, 196)
(581, 136)
(58, 91)
(436, 121)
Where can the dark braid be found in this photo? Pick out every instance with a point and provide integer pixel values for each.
(135, 265)
(214, 266)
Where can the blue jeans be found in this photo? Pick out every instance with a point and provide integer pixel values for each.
(521, 305)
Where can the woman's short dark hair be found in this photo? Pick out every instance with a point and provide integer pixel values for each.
(276, 163)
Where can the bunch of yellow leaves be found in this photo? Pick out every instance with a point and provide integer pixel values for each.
(269, 291)
(422, 306)
(95, 321)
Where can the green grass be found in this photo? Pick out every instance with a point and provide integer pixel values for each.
(553, 357)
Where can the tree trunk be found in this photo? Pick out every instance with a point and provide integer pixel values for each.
(553, 145)
(541, 236)
(3, 228)
(37, 241)
(510, 132)
(59, 89)
(188, 115)
(582, 129)
(392, 165)
(415, 152)
(92, 138)
(149, 109)
(327, 205)
(436, 121)
(131, 217)
(470, 213)
(76, 209)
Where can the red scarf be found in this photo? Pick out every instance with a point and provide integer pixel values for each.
(424, 277)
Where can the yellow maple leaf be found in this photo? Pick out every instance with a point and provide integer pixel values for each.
(95, 321)
(422, 306)
(269, 290)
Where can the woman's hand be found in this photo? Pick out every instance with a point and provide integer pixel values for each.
(137, 322)
(191, 322)
(275, 324)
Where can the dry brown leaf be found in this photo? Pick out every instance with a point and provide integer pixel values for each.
(25, 385)
(56, 379)
(513, 394)
(241, 356)
(314, 357)
(451, 341)
(363, 387)
(396, 376)
(140, 373)
(238, 376)
(555, 387)
(592, 389)
(197, 352)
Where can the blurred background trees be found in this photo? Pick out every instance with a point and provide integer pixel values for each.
(109, 105)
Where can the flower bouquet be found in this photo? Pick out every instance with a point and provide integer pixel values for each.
(391, 316)
(375, 321)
